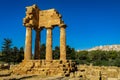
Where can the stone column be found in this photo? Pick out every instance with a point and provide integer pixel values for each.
(49, 44)
(62, 43)
(37, 45)
(28, 44)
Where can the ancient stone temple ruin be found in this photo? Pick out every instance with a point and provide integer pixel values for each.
(37, 19)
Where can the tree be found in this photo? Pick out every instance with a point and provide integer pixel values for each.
(14, 55)
(6, 49)
(68, 52)
(10, 54)
(56, 53)
(17, 55)
(0, 56)
(43, 51)
(73, 54)
(20, 55)
(82, 57)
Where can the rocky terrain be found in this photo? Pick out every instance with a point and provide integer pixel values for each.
(84, 72)
(106, 48)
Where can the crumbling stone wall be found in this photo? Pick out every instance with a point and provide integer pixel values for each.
(4, 66)
(86, 72)
(46, 68)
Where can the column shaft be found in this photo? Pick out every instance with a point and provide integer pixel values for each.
(62, 44)
(28, 44)
(49, 44)
(37, 45)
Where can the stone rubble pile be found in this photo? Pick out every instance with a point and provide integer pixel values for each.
(86, 72)
(4, 66)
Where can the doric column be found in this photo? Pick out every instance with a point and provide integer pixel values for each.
(37, 44)
(62, 43)
(28, 44)
(49, 44)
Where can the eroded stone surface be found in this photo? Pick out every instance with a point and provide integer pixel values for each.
(96, 73)
(49, 18)
(56, 69)
(46, 68)
(38, 19)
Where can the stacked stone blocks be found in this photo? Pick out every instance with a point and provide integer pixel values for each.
(46, 68)
(37, 19)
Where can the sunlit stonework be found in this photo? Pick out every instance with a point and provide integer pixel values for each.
(37, 19)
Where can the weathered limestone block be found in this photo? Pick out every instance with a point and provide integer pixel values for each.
(72, 75)
(118, 73)
(113, 75)
(37, 64)
(49, 18)
(113, 71)
(94, 78)
(112, 79)
(32, 16)
(4, 66)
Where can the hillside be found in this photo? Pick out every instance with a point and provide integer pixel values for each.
(106, 48)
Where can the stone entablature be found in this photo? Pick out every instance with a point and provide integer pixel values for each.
(37, 18)
(49, 18)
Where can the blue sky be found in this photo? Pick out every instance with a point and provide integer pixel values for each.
(90, 22)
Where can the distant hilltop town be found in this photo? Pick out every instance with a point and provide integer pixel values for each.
(106, 48)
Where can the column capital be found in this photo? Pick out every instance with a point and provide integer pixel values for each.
(36, 29)
(27, 26)
(49, 27)
(62, 25)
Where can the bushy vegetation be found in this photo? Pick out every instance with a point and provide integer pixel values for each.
(14, 55)
(11, 54)
(99, 58)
